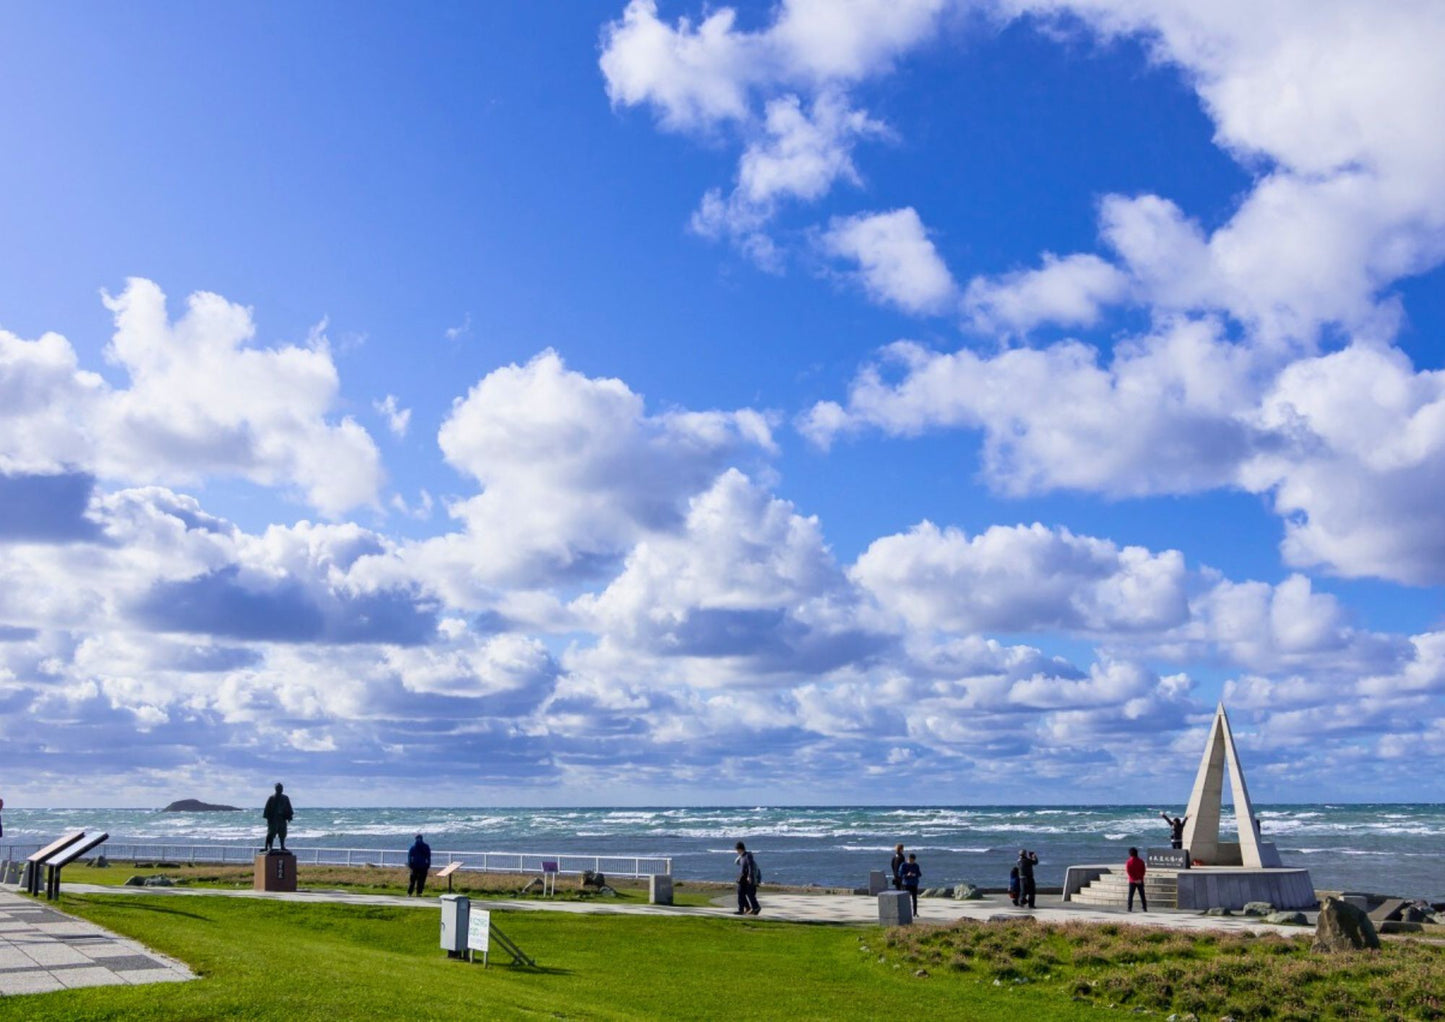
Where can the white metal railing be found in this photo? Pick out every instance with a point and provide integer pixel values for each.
(481, 862)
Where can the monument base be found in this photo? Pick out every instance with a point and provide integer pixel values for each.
(1197, 888)
(275, 871)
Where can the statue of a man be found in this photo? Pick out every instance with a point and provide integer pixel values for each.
(277, 813)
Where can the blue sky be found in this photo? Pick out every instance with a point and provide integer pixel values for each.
(656, 402)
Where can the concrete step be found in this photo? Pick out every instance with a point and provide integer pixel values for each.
(1122, 884)
(1112, 890)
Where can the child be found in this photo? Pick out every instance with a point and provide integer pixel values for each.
(910, 874)
(1013, 885)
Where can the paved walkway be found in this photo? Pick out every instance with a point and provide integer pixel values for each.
(43, 950)
(843, 909)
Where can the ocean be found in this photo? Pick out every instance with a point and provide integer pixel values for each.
(1387, 848)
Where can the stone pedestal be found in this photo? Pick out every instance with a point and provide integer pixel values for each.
(275, 871)
(895, 908)
(659, 889)
(877, 881)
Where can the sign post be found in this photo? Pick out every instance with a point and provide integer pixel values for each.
(479, 933)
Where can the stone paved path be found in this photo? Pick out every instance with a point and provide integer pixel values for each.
(42, 949)
(800, 908)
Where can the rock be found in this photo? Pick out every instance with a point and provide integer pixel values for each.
(967, 892)
(1400, 926)
(1414, 914)
(607, 892)
(591, 878)
(1343, 927)
(1218, 910)
(535, 884)
(192, 805)
(1258, 908)
(158, 881)
(101, 862)
(921, 974)
(135, 881)
(1286, 918)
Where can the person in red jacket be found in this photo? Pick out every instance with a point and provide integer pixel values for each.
(1134, 867)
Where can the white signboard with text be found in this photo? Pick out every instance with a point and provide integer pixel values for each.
(479, 930)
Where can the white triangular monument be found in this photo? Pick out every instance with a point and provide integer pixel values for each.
(1201, 829)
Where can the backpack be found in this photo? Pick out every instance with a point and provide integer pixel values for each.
(753, 871)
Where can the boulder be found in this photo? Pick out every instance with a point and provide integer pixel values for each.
(591, 878)
(1218, 910)
(1286, 918)
(1258, 908)
(967, 892)
(1343, 927)
(1415, 913)
(158, 881)
(135, 881)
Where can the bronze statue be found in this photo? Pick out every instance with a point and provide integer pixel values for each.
(277, 813)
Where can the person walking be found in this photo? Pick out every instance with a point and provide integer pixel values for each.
(1027, 861)
(749, 876)
(1135, 869)
(1176, 829)
(910, 873)
(896, 865)
(418, 860)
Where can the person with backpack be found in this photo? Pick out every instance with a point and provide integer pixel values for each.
(749, 876)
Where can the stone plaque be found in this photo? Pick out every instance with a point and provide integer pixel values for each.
(1167, 858)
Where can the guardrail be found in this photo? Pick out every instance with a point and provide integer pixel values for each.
(481, 862)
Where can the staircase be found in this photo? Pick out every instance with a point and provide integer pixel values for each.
(1111, 890)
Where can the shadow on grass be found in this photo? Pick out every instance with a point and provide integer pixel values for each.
(128, 905)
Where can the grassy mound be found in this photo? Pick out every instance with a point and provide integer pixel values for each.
(1209, 975)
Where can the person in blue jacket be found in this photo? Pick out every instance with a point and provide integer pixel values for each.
(418, 859)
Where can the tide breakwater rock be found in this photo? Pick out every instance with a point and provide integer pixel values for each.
(1343, 927)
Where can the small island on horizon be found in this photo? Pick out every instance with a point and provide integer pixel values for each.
(192, 805)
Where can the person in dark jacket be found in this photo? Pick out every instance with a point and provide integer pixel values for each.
(1014, 885)
(910, 874)
(418, 860)
(1176, 829)
(896, 865)
(747, 882)
(1027, 861)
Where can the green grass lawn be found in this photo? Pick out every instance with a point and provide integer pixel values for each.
(266, 960)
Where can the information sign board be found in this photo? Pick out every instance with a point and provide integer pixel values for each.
(479, 930)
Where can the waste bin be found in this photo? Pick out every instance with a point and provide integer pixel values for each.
(456, 915)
